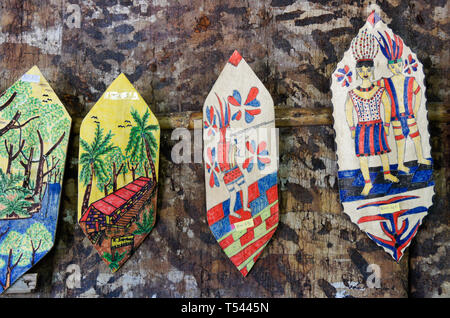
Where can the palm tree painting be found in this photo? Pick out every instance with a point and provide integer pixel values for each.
(119, 144)
(142, 144)
(92, 160)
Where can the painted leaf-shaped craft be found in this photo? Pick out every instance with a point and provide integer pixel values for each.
(118, 172)
(34, 133)
(240, 163)
(380, 118)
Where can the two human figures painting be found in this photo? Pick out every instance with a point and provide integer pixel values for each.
(401, 98)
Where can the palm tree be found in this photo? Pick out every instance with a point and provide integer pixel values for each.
(9, 183)
(114, 259)
(146, 225)
(142, 143)
(13, 197)
(92, 161)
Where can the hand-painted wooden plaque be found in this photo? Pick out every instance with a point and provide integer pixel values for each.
(385, 166)
(240, 153)
(34, 132)
(118, 172)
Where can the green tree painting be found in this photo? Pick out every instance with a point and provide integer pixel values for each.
(15, 200)
(10, 121)
(37, 239)
(34, 133)
(21, 249)
(92, 161)
(142, 145)
(11, 247)
(36, 141)
(114, 259)
(146, 224)
(14, 206)
(118, 166)
(9, 183)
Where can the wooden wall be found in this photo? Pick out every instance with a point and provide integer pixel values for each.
(173, 51)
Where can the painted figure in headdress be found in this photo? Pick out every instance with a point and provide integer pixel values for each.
(369, 132)
(405, 95)
(233, 176)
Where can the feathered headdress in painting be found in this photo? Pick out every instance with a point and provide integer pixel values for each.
(364, 48)
(392, 49)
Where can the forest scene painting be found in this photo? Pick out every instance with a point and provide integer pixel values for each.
(118, 169)
(34, 133)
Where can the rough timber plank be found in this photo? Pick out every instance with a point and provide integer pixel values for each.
(290, 117)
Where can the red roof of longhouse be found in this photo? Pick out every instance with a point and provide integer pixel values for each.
(115, 200)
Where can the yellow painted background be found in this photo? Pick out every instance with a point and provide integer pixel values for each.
(110, 114)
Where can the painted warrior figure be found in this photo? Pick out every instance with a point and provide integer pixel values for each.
(369, 133)
(405, 96)
(227, 151)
